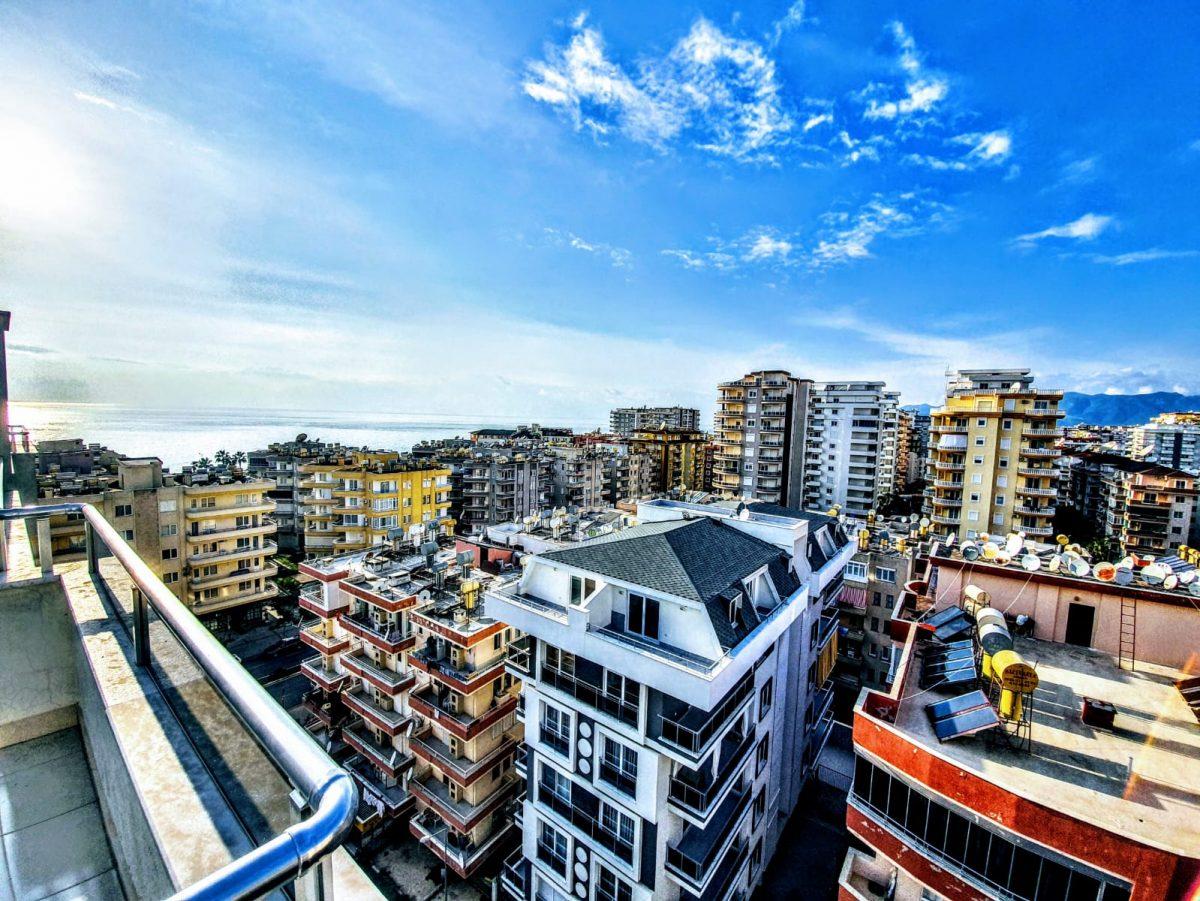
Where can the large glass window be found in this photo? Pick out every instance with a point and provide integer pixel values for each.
(618, 766)
(996, 860)
(556, 729)
(610, 888)
(552, 848)
(643, 616)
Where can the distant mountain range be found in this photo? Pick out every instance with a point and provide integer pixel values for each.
(1114, 409)
(1124, 409)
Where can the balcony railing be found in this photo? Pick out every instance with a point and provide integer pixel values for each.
(693, 730)
(697, 793)
(692, 856)
(590, 694)
(519, 655)
(585, 823)
(330, 793)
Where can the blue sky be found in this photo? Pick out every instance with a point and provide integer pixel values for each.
(549, 209)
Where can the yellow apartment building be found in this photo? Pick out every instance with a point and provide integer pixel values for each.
(359, 500)
(993, 456)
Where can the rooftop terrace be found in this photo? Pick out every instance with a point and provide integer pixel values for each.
(1141, 779)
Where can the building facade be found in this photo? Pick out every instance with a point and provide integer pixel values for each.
(971, 818)
(503, 485)
(676, 696)
(850, 455)
(578, 477)
(760, 427)
(1170, 439)
(283, 463)
(993, 456)
(677, 454)
(356, 501)
(627, 420)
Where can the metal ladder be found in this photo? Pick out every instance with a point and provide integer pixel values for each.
(1128, 633)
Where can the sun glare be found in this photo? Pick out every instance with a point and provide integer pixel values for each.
(39, 180)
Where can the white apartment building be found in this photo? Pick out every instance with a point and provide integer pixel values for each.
(676, 696)
(627, 420)
(850, 456)
(1170, 439)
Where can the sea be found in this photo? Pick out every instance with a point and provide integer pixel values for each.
(179, 437)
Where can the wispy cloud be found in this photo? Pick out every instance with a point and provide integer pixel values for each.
(984, 149)
(717, 91)
(785, 23)
(843, 237)
(923, 90)
(1133, 257)
(1086, 228)
(617, 256)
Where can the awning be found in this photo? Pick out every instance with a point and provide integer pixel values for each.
(854, 597)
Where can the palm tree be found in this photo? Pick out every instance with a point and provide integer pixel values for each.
(237, 460)
(222, 457)
(203, 463)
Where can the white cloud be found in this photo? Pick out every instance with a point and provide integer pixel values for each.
(1152, 255)
(1086, 228)
(617, 256)
(846, 237)
(813, 121)
(719, 91)
(793, 18)
(986, 149)
(922, 90)
(765, 247)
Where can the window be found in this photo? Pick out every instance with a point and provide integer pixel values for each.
(981, 423)
(552, 782)
(980, 440)
(168, 530)
(609, 887)
(766, 696)
(619, 766)
(170, 578)
(556, 729)
(1003, 463)
(558, 659)
(756, 856)
(643, 616)
(552, 848)
(857, 571)
(760, 807)
(127, 534)
(123, 510)
(762, 753)
(885, 575)
(1005, 444)
(973, 515)
(974, 497)
(617, 824)
(994, 859)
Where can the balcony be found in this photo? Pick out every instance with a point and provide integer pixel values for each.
(462, 815)
(427, 704)
(464, 678)
(949, 483)
(1040, 451)
(514, 875)
(392, 798)
(181, 741)
(314, 636)
(388, 719)
(1038, 472)
(462, 854)
(384, 756)
(266, 549)
(1034, 511)
(324, 677)
(264, 526)
(692, 730)
(234, 575)
(697, 792)
(592, 695)
(388, 681)
(584, 823)
(383, 635)
(462, 770)
(1036, 492)
(691, 857)
(262, 505)
(943, 520)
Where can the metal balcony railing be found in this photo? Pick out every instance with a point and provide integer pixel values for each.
(332, 796)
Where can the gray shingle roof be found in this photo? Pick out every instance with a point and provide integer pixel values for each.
(700, 559)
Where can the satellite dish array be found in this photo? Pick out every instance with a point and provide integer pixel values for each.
(1074, 560)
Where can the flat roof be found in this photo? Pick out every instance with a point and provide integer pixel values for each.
(1084, 771)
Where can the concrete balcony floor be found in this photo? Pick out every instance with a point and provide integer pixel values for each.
(54, 839)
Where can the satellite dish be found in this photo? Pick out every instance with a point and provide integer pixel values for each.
(970, 551)
(1062, 540)
(1077, 566)
(1171, 582)
(923, 522)
(1013, 545)
(1155, 573)
(1194, 589)
(1187, 577)
(913, 517)
(1105, 572)
(1003, 557)
(1055, 563)
(990, 550)
(1031, 562)
(950, 539)
(1123, 575)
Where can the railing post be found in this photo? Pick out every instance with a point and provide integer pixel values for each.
(315, 884)
(89, 539)
(141, 628)
(45, 550)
